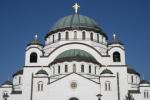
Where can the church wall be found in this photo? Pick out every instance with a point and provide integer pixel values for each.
(122, 79)
(145, 91)
(86, 89)
(73, 38)
(3, 90)
(27, 76)
(109, 93)
(133, 81)
(46, 60)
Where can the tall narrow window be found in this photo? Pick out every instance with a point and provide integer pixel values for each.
(74, 67)
(66, 68)
(83, 35)
(59, 36)
(82, 68)
(116, 57)
(75, 35)
(107, 86)
(40, 86)
(19, 80)
(132, 79)
(91, 36)
(33, 57)
(98, 38)
(146, 94)
(95, 69)
(53, 38)
(58, 69)
(90, 69)
(67, 35)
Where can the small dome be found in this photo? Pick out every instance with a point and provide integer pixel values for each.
(132, 71)
(75, 55)
(115, 41)
(144, 82)
(42, 72)
(75, 21)
(35, 41)
(106, 71)
(19, 72)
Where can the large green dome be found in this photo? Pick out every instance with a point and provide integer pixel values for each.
(75, 55)
(75, 21)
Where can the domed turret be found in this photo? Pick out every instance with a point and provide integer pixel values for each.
(35, 41)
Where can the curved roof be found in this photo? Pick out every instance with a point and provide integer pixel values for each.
(106, 71)
(35, 42)
(42, 72)
(7, 83)
(144, 82)
(75, 21)
(19, 72)
(75, 54)
(132, 71)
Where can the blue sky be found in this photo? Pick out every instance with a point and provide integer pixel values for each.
(20, 20)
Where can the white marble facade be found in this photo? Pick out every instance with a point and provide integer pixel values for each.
(77, 62)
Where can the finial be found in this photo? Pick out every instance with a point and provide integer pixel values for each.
(76, 6)
(36, 37)
(143, 76)
(114, 35)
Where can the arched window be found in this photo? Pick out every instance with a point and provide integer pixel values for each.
(59, 36)
(116, 57)
(90, 69)
(95, 69)
(19, 80)
(98, 38)
(66, 68)
(83, 35)
(58, 69)
(91, 36)
(75, 35)
(74, 67)
(146, 94)
(53, 38)
(73, 98)
(107, 86)
(82, 68)
(40, 86)
(33, 57)
(67, 35)
(132, 79)
(5, 95)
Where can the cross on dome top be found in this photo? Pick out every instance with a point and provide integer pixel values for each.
(114, 36)
(36, 37)
(76, 7)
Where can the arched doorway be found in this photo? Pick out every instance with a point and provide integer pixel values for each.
(73, 98)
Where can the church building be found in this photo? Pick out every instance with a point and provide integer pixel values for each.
(76, 62)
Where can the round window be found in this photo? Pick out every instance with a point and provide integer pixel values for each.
(73, 85)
